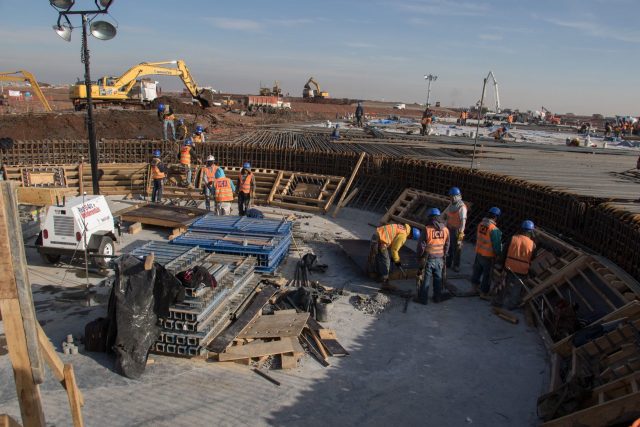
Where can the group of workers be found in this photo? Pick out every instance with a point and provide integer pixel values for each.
(216, 186)
(181, 133)
(439, 246)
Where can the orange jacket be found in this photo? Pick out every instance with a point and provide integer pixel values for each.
(435, 241)
(245, 184)
(520, 254)
(484, 246)
(224, 193)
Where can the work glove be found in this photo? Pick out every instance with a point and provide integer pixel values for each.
(460, 236)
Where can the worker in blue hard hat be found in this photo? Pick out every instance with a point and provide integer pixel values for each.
(246, 188)
(335, 134)
(385, 246)
(488, 248)
(158, 174)
(166, 116)
(455, 216)
(516, 261)
(198, 136)
(223, 190)
(186, 156)
(432, 249)
(182, 131)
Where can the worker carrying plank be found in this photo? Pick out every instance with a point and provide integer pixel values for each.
(455, 216)
(516, 265)
(158, 174)
(223, 190)
(166, 116)
(488, 248)
(208, 174)
(432, 251)
(246, 189)
(385, 246)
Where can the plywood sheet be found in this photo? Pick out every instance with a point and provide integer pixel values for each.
(272, 326)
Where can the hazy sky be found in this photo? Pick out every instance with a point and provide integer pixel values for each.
(578, 56)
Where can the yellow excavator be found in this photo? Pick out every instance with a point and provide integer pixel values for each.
(308, 92)
(129, 89)
(23, 76)
(275, 91)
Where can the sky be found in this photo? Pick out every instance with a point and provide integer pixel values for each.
(577, 56)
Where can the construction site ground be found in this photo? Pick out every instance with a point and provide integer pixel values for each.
(453, 363)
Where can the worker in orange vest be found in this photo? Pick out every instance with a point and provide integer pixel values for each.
(186, 156)
(223, 190)
(158, 174)
(432, 249)
(488, 248)
(388, 238)
(517, 262)
(246, 189)
(455, 216)
(208, 174)
(166, 116)
(509, 120)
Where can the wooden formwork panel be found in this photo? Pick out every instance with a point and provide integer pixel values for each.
(309, 192)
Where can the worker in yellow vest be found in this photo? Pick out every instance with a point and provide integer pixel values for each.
(223, 190)
(521, 250)
(385, 246)
(198, 137)
(488, 248)
(186, 156)
(246, 189)
(158, 174)
(208, 177)
(432, 249)
(455, 216)
(166, 116)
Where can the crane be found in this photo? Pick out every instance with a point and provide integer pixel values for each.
(25, 76)
(307, 92)
(118, 90)
(495, 86)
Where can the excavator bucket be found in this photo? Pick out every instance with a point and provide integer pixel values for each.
(205, 96)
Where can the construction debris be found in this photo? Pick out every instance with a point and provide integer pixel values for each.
(373, 305)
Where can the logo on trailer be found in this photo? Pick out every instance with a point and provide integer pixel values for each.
(88, 209)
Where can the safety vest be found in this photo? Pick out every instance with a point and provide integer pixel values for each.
(454, 218)
(210, 173)
(166, 115)
(435, 240)
(426, 120)
(156, 173)
(245, 185)
(197, 137)
(223, 189)
(185, 155)
(483, 239)
(519, 254)
(387, 233)
(509, 118)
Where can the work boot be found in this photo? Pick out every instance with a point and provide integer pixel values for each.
(442, 297)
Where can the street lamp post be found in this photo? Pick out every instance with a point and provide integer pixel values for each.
(102, 30)
(430, 78)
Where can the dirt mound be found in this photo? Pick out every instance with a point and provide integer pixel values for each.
(179, 106)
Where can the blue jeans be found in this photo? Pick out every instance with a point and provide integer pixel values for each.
(189, 173)
(208, 196)
(482, 270)
(453, 257)
(166, 123)
(432, 273)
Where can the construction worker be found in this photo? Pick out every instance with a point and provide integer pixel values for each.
(432, 249)
(165, 114)
(187, 155)
(516, 261)
(223, 190)
(359, 114)
(246, 189)
(208, 174)
(181, 130)
(335, 135)
(455, 216)
(198, 136)
(158, 174)
(388, 237)
(427, 120)
(509, 120)
(488, 248)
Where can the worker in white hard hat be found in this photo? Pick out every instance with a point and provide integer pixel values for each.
(208, 177)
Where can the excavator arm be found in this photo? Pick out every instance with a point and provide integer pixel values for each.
(26, 77)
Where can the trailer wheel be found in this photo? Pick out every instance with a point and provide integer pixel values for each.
(51, 258)
(106, 248)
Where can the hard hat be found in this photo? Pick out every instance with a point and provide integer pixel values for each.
(188, 141)
(454, 191)
(219, 173)
(156, 153)
(246, 165)
(415, 233)
(496, 211)
(528, 225)
(199, 129)
(160, 107)
(181, 121)
(211, 159)
(433, 212)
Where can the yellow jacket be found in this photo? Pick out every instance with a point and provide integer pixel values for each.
(394, 236)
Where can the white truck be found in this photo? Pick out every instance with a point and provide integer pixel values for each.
(78, 221)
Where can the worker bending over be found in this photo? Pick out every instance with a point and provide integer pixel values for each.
(198, 136)
(387, 238)
(187, 155)
(246, 189)
(455, 216)
(158, 174)
(432, 250)
(181, 130)
(223, 192)
(488, 247)
(208, 174)
(165, 114)
(517, 262)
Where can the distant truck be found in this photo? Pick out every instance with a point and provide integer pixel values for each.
(400, 106)
(267, 101)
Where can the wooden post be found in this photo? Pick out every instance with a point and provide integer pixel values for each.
(348, 186)
(80, 178)
(74, 397)
(16, 304)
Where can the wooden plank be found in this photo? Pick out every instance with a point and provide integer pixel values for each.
(73, 396)
(621, 409)
(504, 315)
(42, 196)
(257, 349)
(276, 183)
(289, 360)
(272, 326)
(349, 183)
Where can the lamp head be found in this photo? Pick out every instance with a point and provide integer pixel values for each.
(102, 30)
(64, 31)
(62, 4)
